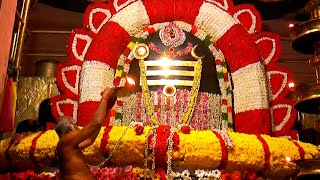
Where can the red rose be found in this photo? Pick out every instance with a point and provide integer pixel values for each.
(120, 103)
(113, 113)
(185, 129)
(127, 61)
(117, 81)
(139, 129)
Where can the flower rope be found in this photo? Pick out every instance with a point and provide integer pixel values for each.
(224, 151)
(170, 173)
(105, 139)
(266, 151)
(103, 164)
(14, 140)
(300, 149)
(33, 147)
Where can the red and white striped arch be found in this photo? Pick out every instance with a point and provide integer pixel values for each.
(251, 56)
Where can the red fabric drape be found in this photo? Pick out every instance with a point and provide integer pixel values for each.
(8, 107)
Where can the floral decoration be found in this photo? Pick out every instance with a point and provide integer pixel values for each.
(138, 126)
(192, 152)
(185, 129)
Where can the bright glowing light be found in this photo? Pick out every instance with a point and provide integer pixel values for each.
(165, 62)
(288, 159)
(166, 72)
(291, 25)
(130, 81)
(141, 51)
(291, 84)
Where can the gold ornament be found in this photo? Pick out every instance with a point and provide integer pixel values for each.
(193, 53)
(141, 51)
(169, 90)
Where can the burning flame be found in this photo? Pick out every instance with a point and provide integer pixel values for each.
(288, 159)
(130, 81)
(291, 25)
(291, 84)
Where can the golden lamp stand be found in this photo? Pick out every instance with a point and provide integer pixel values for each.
(306, 39)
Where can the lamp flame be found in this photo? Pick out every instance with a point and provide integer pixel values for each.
(130, 81)
(288, 159)
(291, 85)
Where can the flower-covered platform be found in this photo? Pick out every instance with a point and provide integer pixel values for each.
(198, 150)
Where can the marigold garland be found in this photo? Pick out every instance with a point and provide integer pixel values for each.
(224, 153)
(266, 151)
(301, 151)
(197, 150)
(33, 147)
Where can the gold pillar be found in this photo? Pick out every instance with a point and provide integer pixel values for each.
(21, 34)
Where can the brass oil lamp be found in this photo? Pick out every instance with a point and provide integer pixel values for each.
(306, 39)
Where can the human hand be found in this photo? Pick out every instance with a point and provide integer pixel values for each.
(108, 92)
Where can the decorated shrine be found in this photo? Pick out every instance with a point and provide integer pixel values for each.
(203, 96)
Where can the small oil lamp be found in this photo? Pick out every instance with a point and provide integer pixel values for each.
(130, 81)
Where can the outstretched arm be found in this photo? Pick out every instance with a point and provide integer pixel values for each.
(87, 135)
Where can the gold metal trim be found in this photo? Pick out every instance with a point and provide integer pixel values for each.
(164, 82)
(168, 72)
(43, 31)
(304, 28)
(313, 8)
(308, 98)
(141, 51)
(21, 34)
(170, 63)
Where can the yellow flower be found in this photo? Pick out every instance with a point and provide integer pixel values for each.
(131, 45)
(197, 150)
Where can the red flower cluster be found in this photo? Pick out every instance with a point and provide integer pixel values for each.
(235, 175)
(113, 173)
(31, 175)
(139, 129)
(185, 129)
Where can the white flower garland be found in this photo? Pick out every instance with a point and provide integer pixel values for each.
(132, 18)
(74, 46)
(206, 175)
(252, 28)
(224, 6)
(95, 76)
(285, 119)
(68, 101)
(283, 85)
(273, 51)
(119, 7)
(72, 88)
(250, 90)
(213, 20)
(98, 10)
